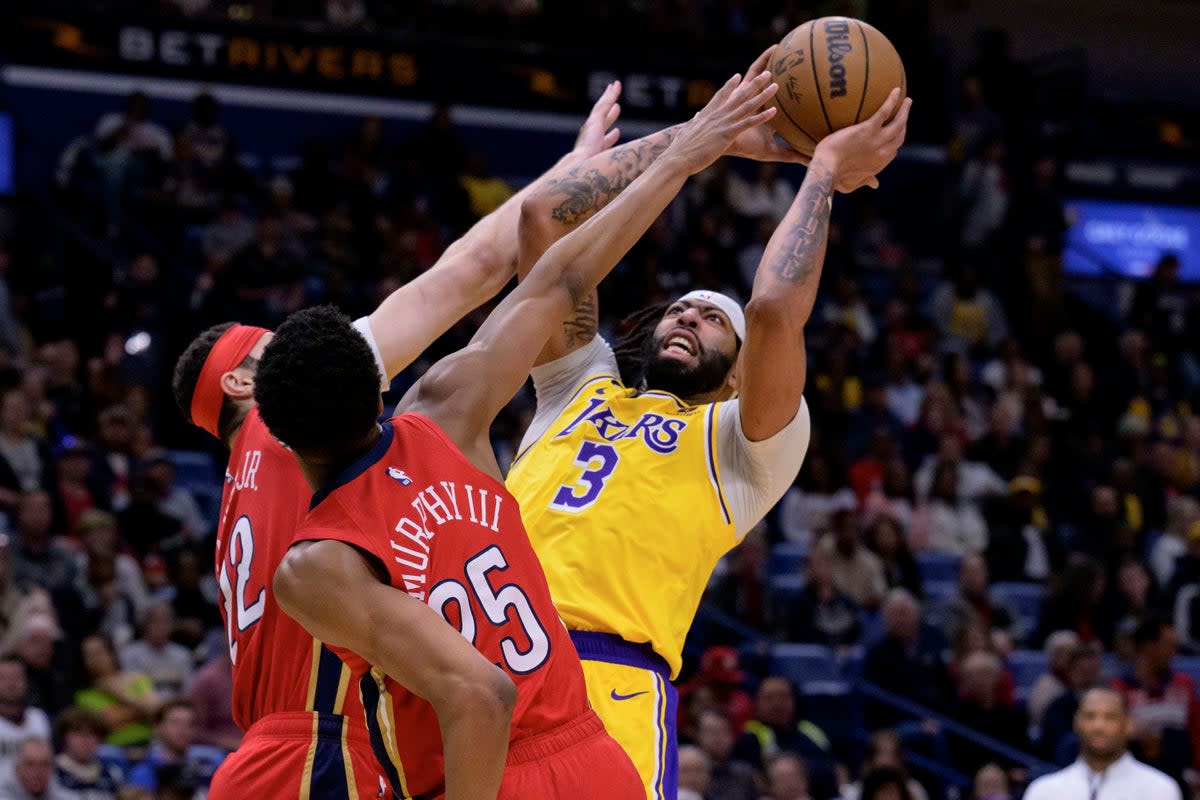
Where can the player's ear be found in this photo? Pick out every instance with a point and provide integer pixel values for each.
(238, 384)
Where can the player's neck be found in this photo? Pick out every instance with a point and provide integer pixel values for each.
(1099, 763)
(319, 472)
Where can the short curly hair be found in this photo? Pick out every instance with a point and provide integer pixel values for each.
(317, 385)
(187, 375)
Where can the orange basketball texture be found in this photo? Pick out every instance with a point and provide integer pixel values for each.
(832, 72)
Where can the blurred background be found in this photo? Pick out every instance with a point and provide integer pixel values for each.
(999, 507)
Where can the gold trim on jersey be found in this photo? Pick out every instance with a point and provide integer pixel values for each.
(309, 759)
(385, 716)
(347, 761)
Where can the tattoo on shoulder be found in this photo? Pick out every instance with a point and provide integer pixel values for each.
(805, 242)
(586, 189)
(583, 324)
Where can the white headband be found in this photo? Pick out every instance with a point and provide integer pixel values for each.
(731, 307)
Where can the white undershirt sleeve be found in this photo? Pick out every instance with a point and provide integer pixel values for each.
(754, 475)
(363, 326)
(556, 382)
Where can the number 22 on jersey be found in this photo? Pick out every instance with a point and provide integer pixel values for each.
(240, 556)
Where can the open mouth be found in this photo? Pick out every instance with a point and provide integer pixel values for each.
(681, 343)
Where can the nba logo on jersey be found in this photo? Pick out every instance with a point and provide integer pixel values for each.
(399, 475)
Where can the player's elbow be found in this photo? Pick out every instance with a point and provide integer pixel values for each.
(483, 690)
(294, 578)
(774, 313)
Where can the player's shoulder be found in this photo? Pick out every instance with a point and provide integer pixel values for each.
(1049, 787)
(1159, 785)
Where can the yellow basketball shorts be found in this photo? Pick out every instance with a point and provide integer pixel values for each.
(629, 687)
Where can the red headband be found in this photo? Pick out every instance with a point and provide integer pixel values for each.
(229, 351)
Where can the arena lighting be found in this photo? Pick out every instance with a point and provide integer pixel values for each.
(137, 344)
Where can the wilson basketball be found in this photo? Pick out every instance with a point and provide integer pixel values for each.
(832, 72)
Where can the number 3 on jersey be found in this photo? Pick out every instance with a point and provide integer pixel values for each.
(239, 617)
(598, 461)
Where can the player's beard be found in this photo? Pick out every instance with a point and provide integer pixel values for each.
(680, 379)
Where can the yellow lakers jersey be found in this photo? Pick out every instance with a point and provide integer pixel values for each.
(623, 503)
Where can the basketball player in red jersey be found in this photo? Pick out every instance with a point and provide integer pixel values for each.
(305, 736)
(411, 525)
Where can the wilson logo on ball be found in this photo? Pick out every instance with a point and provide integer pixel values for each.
(837, 42)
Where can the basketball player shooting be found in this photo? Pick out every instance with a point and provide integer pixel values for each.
(305, 735)
(642, 467)
(411, 526)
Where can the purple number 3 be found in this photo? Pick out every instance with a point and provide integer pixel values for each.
(598, 462)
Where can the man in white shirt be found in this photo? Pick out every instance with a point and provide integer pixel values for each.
(18, 721)
(1105, 770)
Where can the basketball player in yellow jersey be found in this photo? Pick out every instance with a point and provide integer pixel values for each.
(631, 492)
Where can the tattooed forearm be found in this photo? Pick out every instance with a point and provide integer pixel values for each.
(587, 188)
(804, 248)
(582, 327)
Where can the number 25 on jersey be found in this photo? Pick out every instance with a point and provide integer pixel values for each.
(240, 615)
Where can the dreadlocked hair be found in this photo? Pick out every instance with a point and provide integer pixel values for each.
(630, 348)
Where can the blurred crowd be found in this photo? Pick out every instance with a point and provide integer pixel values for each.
(969, 410)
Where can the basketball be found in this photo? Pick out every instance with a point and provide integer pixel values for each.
(832, 72)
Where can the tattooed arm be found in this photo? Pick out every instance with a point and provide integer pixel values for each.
(772, 368)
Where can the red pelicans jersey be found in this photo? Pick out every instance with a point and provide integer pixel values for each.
(450, 536)
(277, 665)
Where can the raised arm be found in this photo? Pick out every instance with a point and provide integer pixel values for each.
(772, 366)
(478, 265)
(465, 391)
(405, 638)
(570, 197)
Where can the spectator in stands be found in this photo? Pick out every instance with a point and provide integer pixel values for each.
(346, 13)
(192, 594)
(877, 438)
(884, 751)
(1134, 598)
(856, 570)
(1106, 767)
(39, 560)
(1002, 448)
(174, 744)
(821, 613)
(1074, 603)
(34, 641)
(485, 190)
(126, 701)
(1182, 514)
(168, 665)
(1009, 370)
(145, 528)
(107, 609)
(11, 594)
(777, 728)
(885, 783)
(968, 316)
(807, 509)
(721, 676)
(1055, 741)
(1160, 305)
(97, 530)
(139, 134)
(731, 780)
(906, 662)
(1162, 702)
(768, 194)
(981, 707)
(32, 775)
(695, 773)
(208, 138)
(948, 521)
(974, 601)
(211, 694)
(787, 778)
(25, 462)
(885, 539)
(174, 500)
(991, 783)
(78, 770)
(846, 307)
(74, 492)
(1021, 543)
(18, 721)
(742, 591)
(893, 497)
(972, 480)
(1051, 684)
(114, 460)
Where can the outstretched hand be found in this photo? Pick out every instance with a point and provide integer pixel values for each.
(595, 135)
(857, 154)
(760, 143)
(736, 107)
